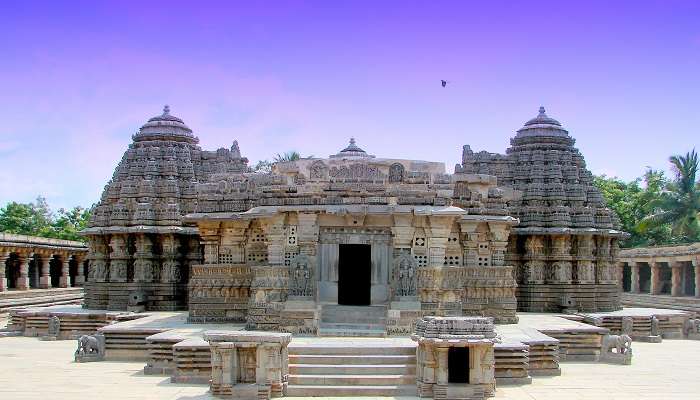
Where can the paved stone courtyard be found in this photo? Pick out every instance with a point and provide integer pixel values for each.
(34, 369)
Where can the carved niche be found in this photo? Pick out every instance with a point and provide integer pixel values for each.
(396, 172)
(318, 170)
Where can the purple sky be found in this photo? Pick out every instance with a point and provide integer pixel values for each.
(78, 78)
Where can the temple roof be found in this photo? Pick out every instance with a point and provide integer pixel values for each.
(165, 127)
(352, 150)
(542, 125)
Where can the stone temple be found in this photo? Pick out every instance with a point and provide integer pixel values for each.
(320, 245)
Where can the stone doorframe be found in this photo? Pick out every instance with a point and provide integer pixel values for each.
(329, 240)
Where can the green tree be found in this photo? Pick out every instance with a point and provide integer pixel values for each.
(679, 204)
(631, 201)
(263, 166)
(287, 156)
(37, 219)
(25, 219)
(69, 223)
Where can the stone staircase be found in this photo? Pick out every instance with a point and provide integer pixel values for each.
(356, 321)
(354, 369)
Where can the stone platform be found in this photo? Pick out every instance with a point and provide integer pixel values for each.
(669, 323)
(681, 303)
(343, 366)
(14, 299)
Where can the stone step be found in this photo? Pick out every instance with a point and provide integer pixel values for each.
(409, 359)
(354, 350)
(353, 380)
(323, 369)
(345, 332)
(354, 390)
(354, 311)
(349, 319)
(352, 326)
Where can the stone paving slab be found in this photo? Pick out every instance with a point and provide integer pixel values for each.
(639, 312)
(34, 370)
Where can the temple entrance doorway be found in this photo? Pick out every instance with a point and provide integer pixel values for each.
(354, 275)
(458, 365)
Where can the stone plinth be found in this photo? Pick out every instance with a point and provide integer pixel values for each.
(248, 364)
(446, 343)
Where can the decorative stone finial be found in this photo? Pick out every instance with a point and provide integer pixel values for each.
(166, 110)
(352, 141)
(542, 110)
(235, 150)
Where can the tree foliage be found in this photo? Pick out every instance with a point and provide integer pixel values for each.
(37, 219)
(654, 209)
(265, 166)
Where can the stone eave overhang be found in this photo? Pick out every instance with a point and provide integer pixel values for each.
(569, 231)
(491, 218)
(268, 211)
(24, 241)
(106, 230)
(43, 246)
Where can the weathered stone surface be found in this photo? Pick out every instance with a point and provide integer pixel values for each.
(522, 230)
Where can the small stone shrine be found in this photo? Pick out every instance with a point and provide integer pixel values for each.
(455, 357)
(248, 365)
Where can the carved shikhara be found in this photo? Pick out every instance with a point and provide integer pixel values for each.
(198, 230)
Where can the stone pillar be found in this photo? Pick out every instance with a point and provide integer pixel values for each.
(440, 228)
(80, 277)
(143, 259)
(655, 287)
(442, 361)
(23, 278)
(4, 256)
(634, 276)
(64, 280)
(171, 267)
(118, 258)
(275, 233)
(676, 271)
(44, 276)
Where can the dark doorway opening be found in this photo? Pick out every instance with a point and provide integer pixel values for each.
(458, 365)
(645, 279)
(33, 275)
(354, 275)
(665, 280)
(12, 271)
(72, 271)
(55, 268)
(626, 278)
(689, 275)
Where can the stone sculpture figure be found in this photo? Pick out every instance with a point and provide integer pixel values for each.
(654, 326)
(300, 277)
(54, 326)
(90, 348)
(616, 349)
(407, 273)
(627, 325)
(691, 329)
